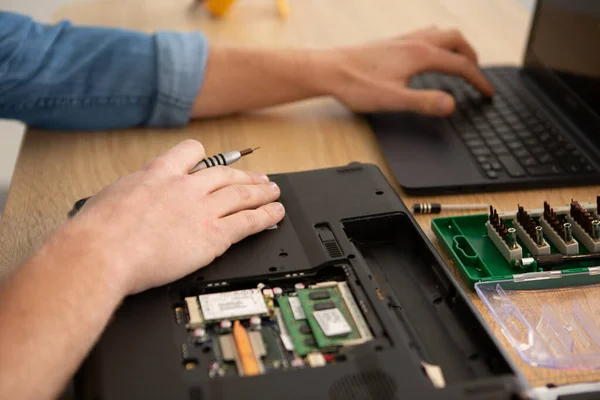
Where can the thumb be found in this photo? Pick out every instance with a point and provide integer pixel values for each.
(428, 102)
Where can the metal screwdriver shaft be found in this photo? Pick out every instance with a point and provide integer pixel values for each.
(222, 159)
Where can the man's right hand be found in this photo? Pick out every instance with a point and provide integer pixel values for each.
(375, 76)
(161, 223)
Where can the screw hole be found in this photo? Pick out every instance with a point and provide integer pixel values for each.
(351, 256)
(206, 349)
(283, 254)
(550, 385)
(190, 364)
(379, 192)
(273, 269)
(378, 347)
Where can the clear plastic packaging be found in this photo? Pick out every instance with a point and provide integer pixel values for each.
(552, 320)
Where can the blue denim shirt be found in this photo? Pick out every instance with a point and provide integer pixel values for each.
(62, 76)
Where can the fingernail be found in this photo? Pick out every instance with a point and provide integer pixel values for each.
(444, 104)
(279, 208)
(263, 178)
(274, 186)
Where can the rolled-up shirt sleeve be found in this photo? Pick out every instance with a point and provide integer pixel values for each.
(62, 76)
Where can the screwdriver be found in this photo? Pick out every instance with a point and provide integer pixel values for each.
(436, 208)
(227, 158)
(549, 261)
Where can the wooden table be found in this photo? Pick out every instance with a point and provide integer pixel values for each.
(54, 169)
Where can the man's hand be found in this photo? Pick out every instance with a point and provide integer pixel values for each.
(374, 77)
(368, 77)
(147, 229)
(162, 223)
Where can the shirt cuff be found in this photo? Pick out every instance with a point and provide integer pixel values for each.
(181, 62)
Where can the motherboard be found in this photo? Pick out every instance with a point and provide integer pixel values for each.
(253, 331)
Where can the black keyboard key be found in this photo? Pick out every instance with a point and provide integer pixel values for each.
(509, 137)
(521, 153)
(492, 174)
(545, 137)
(493, 142)
(529, 161)
(488, 133)
(514, 145)
(588, 168)
(571, 167)
(498, 125)
(518, 126)
(478, 121)
(511, 165)
(553, 146)
(554, 132)
(501, 149)
(496, 166)
(481, 151)
(560, 152)
(544, 158)
(482, 159)
(525, 135)
(490, 112)
(468, 135)
(475, 143)
(532, 143)
(494, 117)
(503, 129)
(543, 170)
(486, 166)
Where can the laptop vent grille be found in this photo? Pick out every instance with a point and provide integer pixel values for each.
(368, 385)
(332, 248)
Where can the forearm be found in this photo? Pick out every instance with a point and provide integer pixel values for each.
(238, 80)
(51, 313)
(69, 77)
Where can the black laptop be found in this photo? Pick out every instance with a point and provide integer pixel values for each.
(540, 129)
(346, 299)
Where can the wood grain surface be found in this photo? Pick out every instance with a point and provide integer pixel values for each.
(55, 169)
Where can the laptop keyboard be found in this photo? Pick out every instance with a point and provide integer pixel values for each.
(505, 133)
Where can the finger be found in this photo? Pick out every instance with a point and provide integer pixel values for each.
(436, 59)
(216, 178)
(452, 40)
(181, 158)
(249, 222)
(235, 198)
(427, 102)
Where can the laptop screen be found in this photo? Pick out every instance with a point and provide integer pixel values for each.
(564, 52)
